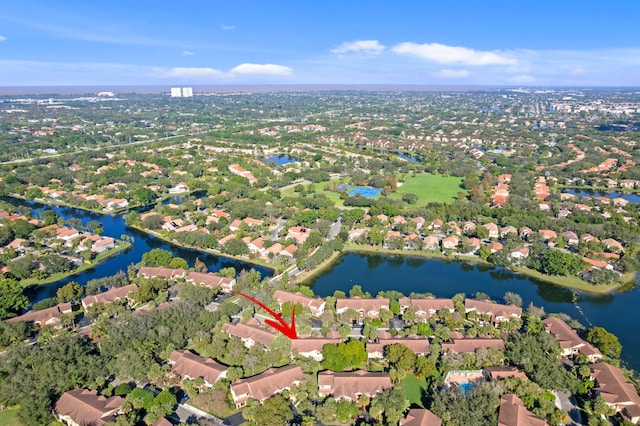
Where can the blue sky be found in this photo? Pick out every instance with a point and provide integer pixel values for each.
(210, 42)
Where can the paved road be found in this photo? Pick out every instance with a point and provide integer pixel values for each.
(335, 228)
(189, 414)
(566, 402)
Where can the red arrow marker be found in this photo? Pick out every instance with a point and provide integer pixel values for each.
(282, 326)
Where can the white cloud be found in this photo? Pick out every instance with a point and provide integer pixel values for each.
(188, 53)
(2, 38)
(227, 27)
(193, 73)
(524, 78)
(451, 74)
(444, 54)
(261, 69)
(364, 46)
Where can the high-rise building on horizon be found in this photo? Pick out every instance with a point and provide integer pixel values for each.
(184, 92)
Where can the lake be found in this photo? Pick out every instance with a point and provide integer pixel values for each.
(617, 312)
(280, 160)
(632, 198)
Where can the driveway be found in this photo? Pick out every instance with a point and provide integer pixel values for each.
(566, 402)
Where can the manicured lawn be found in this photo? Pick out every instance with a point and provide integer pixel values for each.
(9, 416)
(320, 190)
(413, 389)
(431, 188)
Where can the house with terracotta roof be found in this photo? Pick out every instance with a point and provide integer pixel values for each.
(425, 308)
(250, 332)
(512, 412)
(431, 242)
(368, 308)
(265, 385)
(572, 237)
(79, 407)
(519, 253)
(570, 343)
(597, 264)
(298, 233)
(161, 272)
(613, 245)
(493, 230)
(495, 246)
(547, 234)
(190, 366)
(616, 390)
(503, 372)
(420, 417)
(498, 312)
(471, 344)
(352, 384)
(211, 280)
(109, 296)
(315, 304)
(44, 317)
(256, 246)
(508, 230)
(451, 242)
(103, 244)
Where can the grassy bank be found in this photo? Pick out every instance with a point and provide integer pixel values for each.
(307, 275)
(563, 281)
(9, 416)
(122, 245)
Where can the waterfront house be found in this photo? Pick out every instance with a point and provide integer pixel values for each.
(110, 296)
(314, 304)
(367, 308)
(497, 312)
(570, 343)
(425, 308)
(616, 390)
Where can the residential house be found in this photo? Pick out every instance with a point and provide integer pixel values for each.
(103, 244)
(597, 264)
(519, 253)
(570, 343)
(315, 304)
(492, 228)
(547, 234)
(265, 385)
(312, 347)
(508, 230)
(498, 313)
(495, 246)
(571, 237)
(79, 407)
(367, 308)
(613, 245)
(503, 372)
(161, 272)
(256, 246)
(425, 308)
(512, 412)
(298, 233)
(420, 417)
(352, 384)
(471, 344)
(250, 332)
(109, 296)
(211, 280)
(419, 221)
(451, 242)
(354, 234)
(190, 366)
(44, 317)
(274, 251)
(616, 390)
(431, 242)
(474, 243)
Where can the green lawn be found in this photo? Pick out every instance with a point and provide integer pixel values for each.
(431, 188)
(9, 416)
(320, 190)
(413, 389)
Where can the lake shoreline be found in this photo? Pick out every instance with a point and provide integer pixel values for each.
(573, 283)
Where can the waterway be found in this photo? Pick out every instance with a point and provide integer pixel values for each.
(632, 198)
(617, 312)
(280, 160)
(115, 226)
